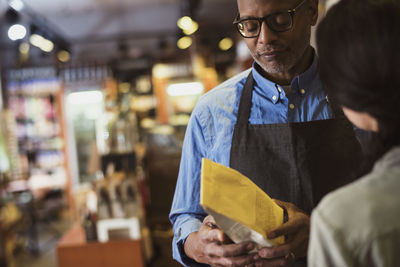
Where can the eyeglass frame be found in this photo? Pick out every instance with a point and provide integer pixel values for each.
(291, 12)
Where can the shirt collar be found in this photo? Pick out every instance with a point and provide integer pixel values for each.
(304, 80)
(268, 87)
(301, 82)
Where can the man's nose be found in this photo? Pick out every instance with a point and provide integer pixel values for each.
(266, 34)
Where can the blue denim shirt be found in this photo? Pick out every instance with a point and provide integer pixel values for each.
(210, 129)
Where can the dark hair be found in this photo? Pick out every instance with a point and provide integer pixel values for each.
(358, 45)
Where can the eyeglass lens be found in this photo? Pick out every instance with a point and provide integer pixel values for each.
(277, 22)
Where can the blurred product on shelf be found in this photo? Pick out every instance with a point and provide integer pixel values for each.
(90, 226)
(118, 196)
(112, 209)
(10, 218)
(115, 198)
(12, 162)
(124, 133)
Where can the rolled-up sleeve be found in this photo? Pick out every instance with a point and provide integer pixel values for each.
(186, 213)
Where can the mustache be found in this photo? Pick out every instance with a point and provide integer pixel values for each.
(268, 49)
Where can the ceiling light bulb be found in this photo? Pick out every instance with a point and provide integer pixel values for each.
(35, 39)
(41, 42)
(47, 46)
(16, 32)
(192, 29)
(17, 5)
(185, 22)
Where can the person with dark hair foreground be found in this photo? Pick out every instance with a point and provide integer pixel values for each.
(358, 225)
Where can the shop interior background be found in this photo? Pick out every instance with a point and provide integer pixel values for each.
(95, 99)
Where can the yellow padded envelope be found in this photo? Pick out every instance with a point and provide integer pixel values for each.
(240, 208)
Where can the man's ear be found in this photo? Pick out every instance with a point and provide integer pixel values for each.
(313, 9)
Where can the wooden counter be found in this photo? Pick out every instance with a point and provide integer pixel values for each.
(73, 251)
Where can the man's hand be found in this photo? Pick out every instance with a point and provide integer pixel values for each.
(208, 246)
(297, 229)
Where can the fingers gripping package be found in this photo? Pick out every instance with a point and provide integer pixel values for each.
(242, 210)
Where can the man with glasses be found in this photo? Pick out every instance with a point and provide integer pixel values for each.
(272, 123)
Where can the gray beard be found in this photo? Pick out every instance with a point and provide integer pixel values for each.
(274, 68)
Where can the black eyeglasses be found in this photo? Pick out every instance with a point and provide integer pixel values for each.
(277, 22)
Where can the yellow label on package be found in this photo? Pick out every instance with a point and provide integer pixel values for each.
(240, 208)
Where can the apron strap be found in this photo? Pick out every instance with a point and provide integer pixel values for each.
(336, 109)
(245, 101)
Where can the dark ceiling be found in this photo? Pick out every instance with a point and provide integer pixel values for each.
(100, 30)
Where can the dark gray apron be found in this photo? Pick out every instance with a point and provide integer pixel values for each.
(294, 162)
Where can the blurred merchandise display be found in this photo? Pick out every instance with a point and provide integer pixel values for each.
(4, 154)
(97, 133)
(33, 138)
(34, 100)
(99, 122)
(111, 204)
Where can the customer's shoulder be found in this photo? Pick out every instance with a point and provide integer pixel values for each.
(335, 205)
(367, 207)
(224, 94)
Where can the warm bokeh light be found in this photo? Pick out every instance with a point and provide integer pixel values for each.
(225, 44)
(160, 71)
(180, 89)
(63, 56)
(187, 25)
(24, 48)
(184, 42)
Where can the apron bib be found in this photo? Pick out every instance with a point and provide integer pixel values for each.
(294, 162)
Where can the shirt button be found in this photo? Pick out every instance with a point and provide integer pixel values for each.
(291, 106)
(274, 97)
(302, 91)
